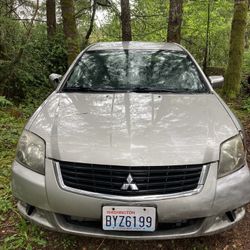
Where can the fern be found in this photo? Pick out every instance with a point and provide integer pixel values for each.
(4, 102)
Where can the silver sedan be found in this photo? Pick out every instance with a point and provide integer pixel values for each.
(134, 143)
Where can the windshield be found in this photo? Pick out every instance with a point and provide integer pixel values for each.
(135, 70)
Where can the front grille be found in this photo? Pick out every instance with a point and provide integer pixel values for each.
(150, 180)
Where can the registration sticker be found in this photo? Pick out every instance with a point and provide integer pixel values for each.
(125, 218)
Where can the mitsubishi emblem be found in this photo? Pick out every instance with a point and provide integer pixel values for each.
(129, 184)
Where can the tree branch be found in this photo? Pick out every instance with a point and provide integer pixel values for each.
(91, 20)
(108, 4)
(13, 9)
(28, 19)
(79, 13)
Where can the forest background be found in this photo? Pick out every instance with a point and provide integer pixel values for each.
(40, 37)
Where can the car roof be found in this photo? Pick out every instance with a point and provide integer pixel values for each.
(135, 46)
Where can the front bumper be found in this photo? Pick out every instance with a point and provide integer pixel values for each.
(207, 208)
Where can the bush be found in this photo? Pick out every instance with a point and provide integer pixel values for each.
(40, 58)
(246, 104)
(4, 102)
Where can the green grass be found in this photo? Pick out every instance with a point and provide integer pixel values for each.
(16, 233)
(10, 129)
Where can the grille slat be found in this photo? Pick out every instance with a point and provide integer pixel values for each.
(150, 180)
(88, 167)
(130, 192)
(121, 178)
(139, 184)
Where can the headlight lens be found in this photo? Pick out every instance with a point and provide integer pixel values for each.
(232, 156)
(31, 152)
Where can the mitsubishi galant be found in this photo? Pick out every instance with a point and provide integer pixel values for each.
(134, 143)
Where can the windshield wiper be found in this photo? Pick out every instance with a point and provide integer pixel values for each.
(155, 90)
(147, 90)
(87, 89)
(136, 89)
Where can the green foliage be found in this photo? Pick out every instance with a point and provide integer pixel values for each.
(195, 26)
(26, 237)
(40, 58)
(148, 20)
(4, 102)
(246, 105)
(149, 23)
(246, 63)
(10, 38)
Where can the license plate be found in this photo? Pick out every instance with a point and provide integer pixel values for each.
(120, 218)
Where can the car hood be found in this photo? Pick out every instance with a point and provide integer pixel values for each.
(133, 128)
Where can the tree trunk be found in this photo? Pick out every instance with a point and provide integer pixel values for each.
(175, 21)
(233, 73)
(51, 18)
(69, 29)
(206, 54)
(126, 21)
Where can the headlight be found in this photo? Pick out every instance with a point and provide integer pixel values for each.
(31, 152)
(232, 156)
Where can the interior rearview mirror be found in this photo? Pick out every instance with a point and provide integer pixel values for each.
(55, 79)
(216, 81)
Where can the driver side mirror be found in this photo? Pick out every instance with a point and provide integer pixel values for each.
(55, 79)
(216, 81)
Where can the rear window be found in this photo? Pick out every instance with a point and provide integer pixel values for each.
(134, 69)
